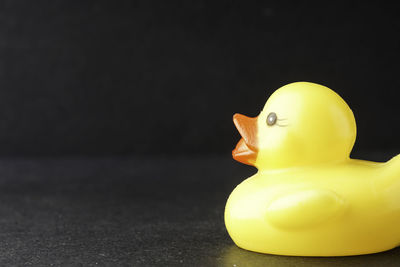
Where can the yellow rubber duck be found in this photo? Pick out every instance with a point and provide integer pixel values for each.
(309, 198)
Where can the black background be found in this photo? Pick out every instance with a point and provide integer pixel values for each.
(155, 77)
(116, 119)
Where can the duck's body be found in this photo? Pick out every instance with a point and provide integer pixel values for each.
(354, 209)
(331, 208)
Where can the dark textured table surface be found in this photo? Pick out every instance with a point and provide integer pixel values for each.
(131, 212)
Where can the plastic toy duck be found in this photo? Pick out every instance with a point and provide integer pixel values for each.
(308, 197)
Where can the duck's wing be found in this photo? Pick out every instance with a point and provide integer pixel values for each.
(305, 208)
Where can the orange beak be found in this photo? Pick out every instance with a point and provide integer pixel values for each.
(246, 149)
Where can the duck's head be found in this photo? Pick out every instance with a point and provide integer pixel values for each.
(301, 124)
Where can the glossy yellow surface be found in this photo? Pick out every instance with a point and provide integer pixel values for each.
(308, 197)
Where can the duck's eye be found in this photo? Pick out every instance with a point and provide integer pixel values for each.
(271, 119)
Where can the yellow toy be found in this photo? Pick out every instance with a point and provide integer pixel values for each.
(308, 197)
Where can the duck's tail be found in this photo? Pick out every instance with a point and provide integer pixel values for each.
(393, 164)
(389, 176)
